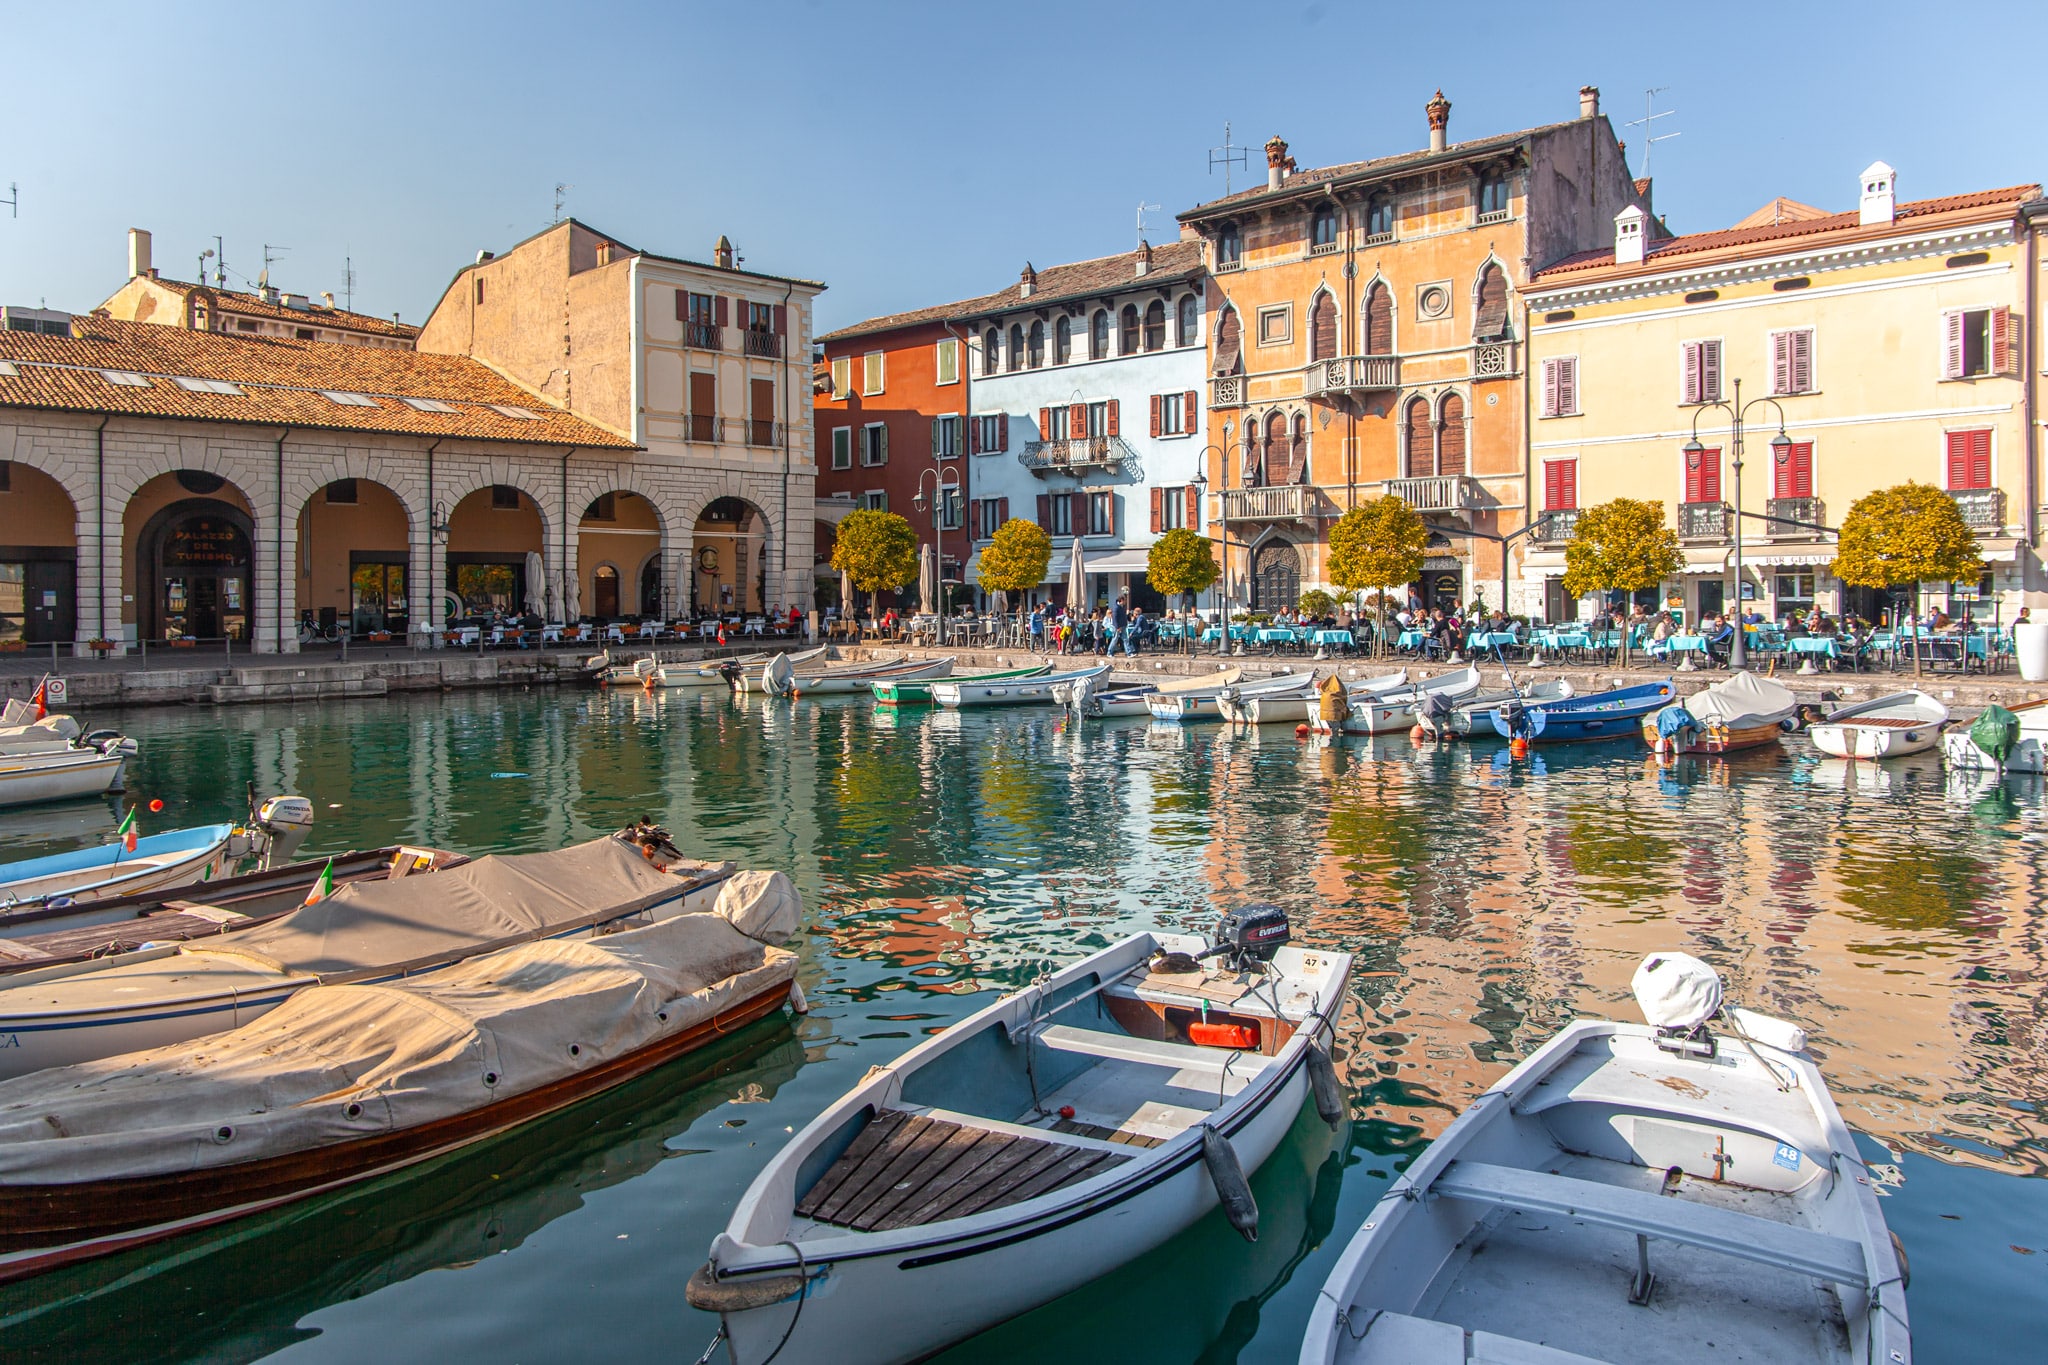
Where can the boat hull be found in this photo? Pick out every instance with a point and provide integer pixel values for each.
(172, 866)
(2027, 756)
(1850, 740)
(31, 779)
(918, 692)
(1717, 740)
(966, 694)
(1583, 720)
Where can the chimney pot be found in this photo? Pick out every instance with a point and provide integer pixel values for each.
(1439, 111)
(1143, 264)
(327, 297)
(1879, 203)
(138, 253)
(1279, 165)
(1629, 242)
(1027, 281)
(1589, 101)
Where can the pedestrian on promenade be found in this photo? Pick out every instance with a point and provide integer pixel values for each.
(1037, 629)
(1119, 618)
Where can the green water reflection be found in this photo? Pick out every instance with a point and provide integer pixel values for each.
(945, 856)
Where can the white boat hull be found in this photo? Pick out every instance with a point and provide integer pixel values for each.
(2027, 756)
(121, 879)
(28, 779)
(1850, 740)
(1288, 709)
(967, 694)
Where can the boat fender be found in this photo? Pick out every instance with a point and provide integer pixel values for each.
(1242, 1037)
(1762, 1028)
(1905, 1270)
(1233, 1191)
(709, 1294)
(1322, 1081)
(796, 999)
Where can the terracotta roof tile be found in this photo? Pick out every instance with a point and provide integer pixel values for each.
(234, 301)
(889, 322)
(1793, 229)
(1105, 274)
(281, 383)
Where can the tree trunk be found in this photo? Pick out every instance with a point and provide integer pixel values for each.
(1913, 639)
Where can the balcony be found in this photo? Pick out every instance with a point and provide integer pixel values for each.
(1437, 493)
(760, 433)
(765, 344)
(1076, 455)
(1496, 360)
(1556, 528)
(1983, 509)
(704, 336)
(1808, 510)
(1350, 374)
(1228, 391)
(699, 427)
(1706, 521)
(1285, 502)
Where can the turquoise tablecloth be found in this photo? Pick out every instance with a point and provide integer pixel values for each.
(1333, 637)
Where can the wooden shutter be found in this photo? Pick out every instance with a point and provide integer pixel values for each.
(1792, 472)
(1491, 322)
(739, 315)
(1114, 501)
(720, 311)
(1187, 411)
(1969, 460)
(682, 305)
(2001, 341)
(1229, 342)
(974, 525)
(1691, 385)
(1003, 431)
(1077, 420)
(974, 436)
(1045, 424)
(1802, 364)
(1952, 345)
(1568, 385)
(781, 319)
(1450, 445)
(1560, 485)
(1157, 400)
(1045, 511)
(1194, 507)
(1703, 476)
(1323, 328)
(1710, 371)
(1379, 320)
(1077, 513)
(1158, 508)
(1781, 362)
(1551, 372)
(1002, 510)
(935, 437)
(1112, 418)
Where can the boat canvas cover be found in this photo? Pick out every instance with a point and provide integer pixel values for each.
(1743, 699)
(342, 1063)
(388, 926)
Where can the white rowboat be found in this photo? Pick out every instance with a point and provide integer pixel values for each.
(961, 693)
(26, 778)
(1134, 701)
(1888, 727)
(1296, 705)
(1183, 707)
(1392, 712)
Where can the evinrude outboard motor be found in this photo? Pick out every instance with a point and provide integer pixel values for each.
(1434, 713)
(1249, 935)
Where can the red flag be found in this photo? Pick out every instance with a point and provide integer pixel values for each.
(42, 691)
(721, 632)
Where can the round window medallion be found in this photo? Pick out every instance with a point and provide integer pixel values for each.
(1493, 400)
(1435, 301)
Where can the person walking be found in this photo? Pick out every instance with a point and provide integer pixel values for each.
(1119, 620)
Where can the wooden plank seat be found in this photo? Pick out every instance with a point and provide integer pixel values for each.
(123, 936)
(1152, 1052)
(905, 1169)
(1888, 722)
(1743, 1236)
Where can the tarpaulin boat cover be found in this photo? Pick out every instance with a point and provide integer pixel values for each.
(459, 911)
(1740, 700)
(340, 1063)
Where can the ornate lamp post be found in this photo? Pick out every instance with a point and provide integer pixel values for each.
(1737, 410)
(940, 491)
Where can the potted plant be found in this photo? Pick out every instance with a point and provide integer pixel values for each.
(100, 648)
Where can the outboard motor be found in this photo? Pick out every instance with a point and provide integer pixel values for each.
(1249, 935)
(285, 821)
(1434, 713)
(730, 671)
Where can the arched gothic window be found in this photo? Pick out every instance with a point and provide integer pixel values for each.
(1016, 348)
(1379, 217)
(991, 351)
(1062, 340)
(1379, 319)
(1189, 330)
(1036, 354)
(1229, 246)
(1098, 335)
(1450, 442)
(1155, 326)
(1127, 340)
(1322, 326)
(1490, 311)
(1322, 227)
(1418, 455)
(1229, 343)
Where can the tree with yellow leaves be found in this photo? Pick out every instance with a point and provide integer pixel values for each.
(1378, 545)
(1912, 533)
(1620, 546)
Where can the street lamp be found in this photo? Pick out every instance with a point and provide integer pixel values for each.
(1223, 498)
(1738, 651)
(940, 490)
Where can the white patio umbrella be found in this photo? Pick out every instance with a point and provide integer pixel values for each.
(536, 583)
(845, 595)
(927, 580)
(1077, 579)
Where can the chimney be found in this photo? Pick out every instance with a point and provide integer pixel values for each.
(604, 253)
(1439, 111)
(327, 297)
(1880, 198)
(1027, 281)
(1628, 235)
(1279, 165)
(483, 256)
(1143, 264)
(1589, 101)
(721, 253)
(138, 252)
(1643, 193)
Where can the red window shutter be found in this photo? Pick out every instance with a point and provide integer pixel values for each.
(974, 516)
(1045, 511)
(1003, 431)
(739, 311)
(1792, 473)
(1703, 476)
(2001, 341)
(1194, 507)
(1187, 411)
(682, 305)
(1691, 384)
(974, 435)
(1568, 484)
(1158, 508)
(1112, 418)
(1002, 510)
(1045, 424)
(1155, 414)
(1553, 477)
(1952, 346)
(1077, 513)
(1077, 419)
(781, 319)
(1969, 459)
(720, 311)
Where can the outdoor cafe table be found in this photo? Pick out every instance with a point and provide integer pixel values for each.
(1333, 637)
(1276, 635)
(1413, 639)
(1680, 644)
(1495, 640)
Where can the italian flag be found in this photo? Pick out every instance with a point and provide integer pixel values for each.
(127, 830)
(323, 886)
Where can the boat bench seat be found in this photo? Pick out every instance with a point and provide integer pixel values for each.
(1398, 1339)
(1151, 1052)
(1743, 1236)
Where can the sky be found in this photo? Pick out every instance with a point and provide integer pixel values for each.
(903, 154)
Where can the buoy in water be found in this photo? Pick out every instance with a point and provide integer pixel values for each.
(1301, 732)
(1233, 1191)
(1418, 734)
(1518, 747)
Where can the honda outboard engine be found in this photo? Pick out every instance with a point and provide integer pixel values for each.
(285, 822)
(1249, 935)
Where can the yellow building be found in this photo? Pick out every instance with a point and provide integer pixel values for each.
(1889, 343)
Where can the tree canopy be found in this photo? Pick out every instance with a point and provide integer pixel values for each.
(1016, 558)
(877, 550)
(1911, 533)
(1377, 545)
(1316, 604)
(1181, 563)
(1621, 545)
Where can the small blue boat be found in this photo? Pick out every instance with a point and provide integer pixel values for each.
(172, 858)
(1602, 715)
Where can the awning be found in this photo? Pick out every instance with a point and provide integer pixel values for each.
(1116, 561)
(972, 573)
(1543, 560)
(1999, 551)
(1705, 562)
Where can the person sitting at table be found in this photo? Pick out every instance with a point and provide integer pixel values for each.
(2024, 618)
(1720, 634)
(1664, 628)
(889, 622)
(1440, 633)
(1135, 630)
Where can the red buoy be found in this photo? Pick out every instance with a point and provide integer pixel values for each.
(156, 804)
(1066, 1111)
(1301, 732)
(1242, 1037)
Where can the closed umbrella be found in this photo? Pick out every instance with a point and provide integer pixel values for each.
(927, 580)
(536, 583)
(1077, 580)
(572, 603)
(845, 595)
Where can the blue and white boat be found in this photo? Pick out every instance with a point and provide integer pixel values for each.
(1602, 715)
(954, 694)
(172, 858)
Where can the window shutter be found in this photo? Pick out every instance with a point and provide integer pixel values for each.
(1187, 411)
(1792, 475)
(974, 436)
(1002, 510)
(1553, 484)
(1710, 371)
(1568, 485)
(1158, 508)
(1969, 459)
(1077, 513)
(1802, 364)
(781, 319)
(1691, 385)
(935, 438)
(1045, 511)
(739, 311)
(882, 442)
(1194, 507)
(720, 311)
(1568, 385)
(1112, 417)
(1952, 346)
(1115, 501)
(1003, 431)
(974, 516)
(1781, 362)
(1045, 424)
(2001, 341)
(1551, 371)
(682, 305)
(1077, 420)
(1155, 416)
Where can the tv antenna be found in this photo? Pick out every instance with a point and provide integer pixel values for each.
(561, 192)
(1143, 209)
(220, 266)
(13, 200)
(1648, 123)
(348, 282)
(270, 254)
(1226, 156)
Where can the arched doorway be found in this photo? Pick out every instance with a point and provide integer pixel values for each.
(495, 540)
(729, 565)
(618, 528)
(355, 555)
(604, 592)
(190, 539)
(652, 598)
(38, 557)
(1276, 576)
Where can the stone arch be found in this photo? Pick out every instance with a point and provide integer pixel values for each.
(199, 562)
(40, 523)
(362, 564)
(1491, 320)
(1376, 318)
(1275, 574)
(627, 540)
(731, 561)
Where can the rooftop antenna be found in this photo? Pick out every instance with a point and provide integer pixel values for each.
(561, 191)
(1648, 123)
(269, 258)
(1143, 209)
(220, 266)
(13, 200)
(348, 282)
(203, 257)
(1226, 156)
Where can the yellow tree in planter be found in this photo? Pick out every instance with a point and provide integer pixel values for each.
(1621, 546)
(1912, 533)
(877, 550)
(1377, 545)
(1017, 558)
(1181, 564)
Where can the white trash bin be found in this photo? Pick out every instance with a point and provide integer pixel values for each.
(2030, 643)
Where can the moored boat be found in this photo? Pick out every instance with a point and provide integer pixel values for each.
(1886, 727)
(1598, 715)
(704, 673)
(1084, 700)
(2020, 746)
(917, 691)
(86, 767)
(1393, 711)
(1292, 706)
(962, 693)
(1030, 1148)
(1666, 1178)
(848, 681)
(1184, 707)
(1742, 711)
(1458, 721)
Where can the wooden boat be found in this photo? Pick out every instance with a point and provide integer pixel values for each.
(1629, 1192)
(1296, 705)
(963, 694)
(1028, 1149)
(1740, 712)
(348, 1083)
(1135, 701)
(1458, 721)
(1886, 727)
(845, 682)
(1184, 707)
(171, 858)
(1600, 715)
(1393, 712)
(77, 770)
(918, 691)
(365, 932)
(2029, 753)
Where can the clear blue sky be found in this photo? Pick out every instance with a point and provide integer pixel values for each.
(904, 154)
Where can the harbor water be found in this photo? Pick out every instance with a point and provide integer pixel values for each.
(1894, 912)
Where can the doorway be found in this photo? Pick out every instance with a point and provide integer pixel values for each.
(1276, 577)
(38, 600)
(1713, 593)
(604, 593)
(196, 563)
(377, 597)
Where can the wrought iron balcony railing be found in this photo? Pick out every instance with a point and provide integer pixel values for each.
(1076, 454)
(1351, 374)
(703, 427)
(1555, 528)
(1808, 510)
(768, 344)
(1703, 520)
(1437, 493)
(1983, 509)
(704, 336)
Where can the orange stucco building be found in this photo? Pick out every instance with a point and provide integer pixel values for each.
(1367, 337)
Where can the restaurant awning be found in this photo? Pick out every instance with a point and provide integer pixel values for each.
(1705, 562)
(1115, 561)
(1789, 558)
(972, 573)
(2001, 550)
